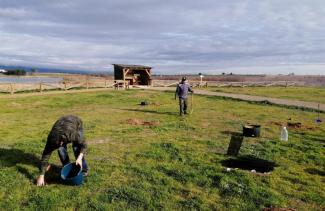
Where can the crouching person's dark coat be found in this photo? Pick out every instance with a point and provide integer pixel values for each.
(67, 129)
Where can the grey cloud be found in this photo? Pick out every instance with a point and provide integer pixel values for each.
(169, 35)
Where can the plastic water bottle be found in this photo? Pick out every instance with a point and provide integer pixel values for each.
(284, 134)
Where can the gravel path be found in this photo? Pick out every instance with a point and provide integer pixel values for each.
(275, 101)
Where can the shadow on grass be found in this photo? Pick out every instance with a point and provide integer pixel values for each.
(250, 163)
(318, 139)
(151, 111)
(314, 171)
(231, 133)
(10, 157)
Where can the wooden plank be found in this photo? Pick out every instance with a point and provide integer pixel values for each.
(126, 72)
(148, 72)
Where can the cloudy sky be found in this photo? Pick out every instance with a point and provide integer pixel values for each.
(173, 36)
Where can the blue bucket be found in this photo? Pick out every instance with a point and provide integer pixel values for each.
(71, 174)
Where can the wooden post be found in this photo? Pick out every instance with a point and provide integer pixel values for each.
(87, 82)
(40, 87)
(123, 77)
(11, 89)
(65, 86)
(235, 144)
(105, 83)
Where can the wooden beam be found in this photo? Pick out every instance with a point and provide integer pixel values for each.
(126, 72)
(147, 72)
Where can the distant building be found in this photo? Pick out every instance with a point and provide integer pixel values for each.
(133, 74)
(2, 71)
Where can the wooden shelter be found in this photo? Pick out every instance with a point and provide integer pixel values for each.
(133, 74)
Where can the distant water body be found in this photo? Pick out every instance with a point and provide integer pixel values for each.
(28, 80)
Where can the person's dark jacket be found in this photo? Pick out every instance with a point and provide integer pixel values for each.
(67, 129)
(182, 90)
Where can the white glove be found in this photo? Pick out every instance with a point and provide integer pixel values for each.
(79, 160)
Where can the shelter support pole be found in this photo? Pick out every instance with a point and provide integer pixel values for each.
(125, 72)
(147, 71)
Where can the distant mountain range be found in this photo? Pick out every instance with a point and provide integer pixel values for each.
(53, 70)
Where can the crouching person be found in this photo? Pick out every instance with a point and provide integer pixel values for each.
(67, 129)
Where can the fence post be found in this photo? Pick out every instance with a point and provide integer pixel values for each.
(11, 89)
(40, 87)
(87, 83)
(65, 86)
(105, 83)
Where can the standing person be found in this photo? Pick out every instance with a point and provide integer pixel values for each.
(181, 91)
(67, 129)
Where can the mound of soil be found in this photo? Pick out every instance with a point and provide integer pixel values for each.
(141, 122)
(298, 125)
(293, 125)
(155, 104)
(276, 123)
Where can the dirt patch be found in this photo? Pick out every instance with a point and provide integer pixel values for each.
(141, 122)
(292, 125)
(299, 125)
(296, 125)
(98, 141)
(276, 123)
(155, 104)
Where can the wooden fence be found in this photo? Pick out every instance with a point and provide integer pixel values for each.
(167, 83)
(65, 85)
(88, 83)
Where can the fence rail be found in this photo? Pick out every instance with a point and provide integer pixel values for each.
(167, 83)
(108, 83)
(65, 85)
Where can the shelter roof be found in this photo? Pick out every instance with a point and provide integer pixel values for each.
(132, 66)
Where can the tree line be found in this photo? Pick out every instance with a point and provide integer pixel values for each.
(16, 72)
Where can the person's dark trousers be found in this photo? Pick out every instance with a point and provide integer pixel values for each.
(64, 156)
(182, 106)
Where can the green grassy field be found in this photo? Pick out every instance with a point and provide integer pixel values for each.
(175, 163)
(312, 94)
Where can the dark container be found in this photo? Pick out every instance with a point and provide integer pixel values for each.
(71, 174)
(252, 130)
(144, 103)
